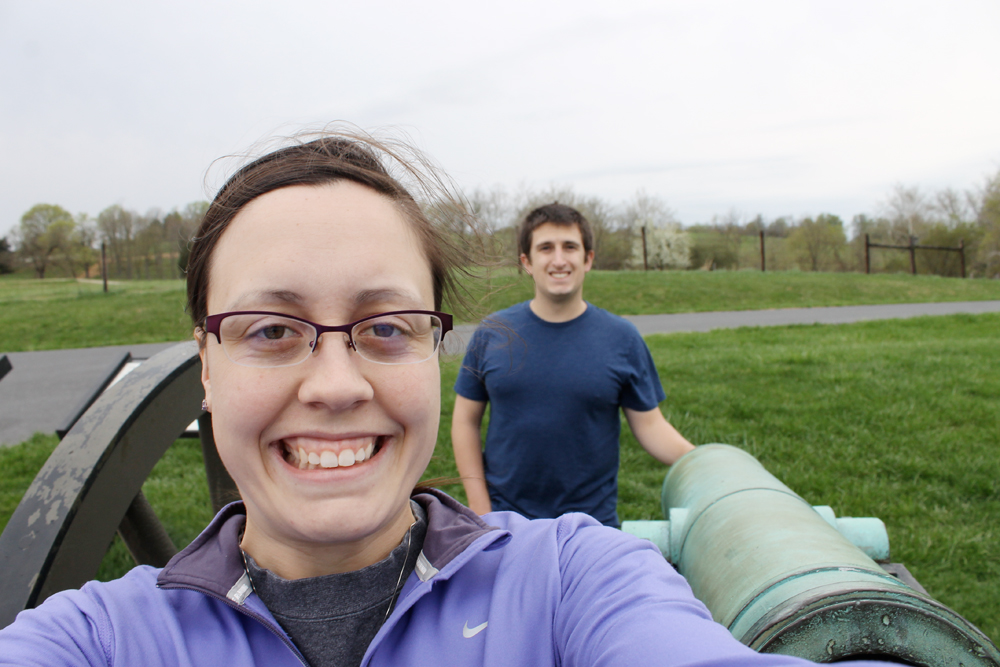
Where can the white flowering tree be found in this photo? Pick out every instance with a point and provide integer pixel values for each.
(668, 246)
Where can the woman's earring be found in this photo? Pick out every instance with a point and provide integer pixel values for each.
(204, 405)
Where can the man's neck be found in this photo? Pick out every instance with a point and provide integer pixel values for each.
(558, 311)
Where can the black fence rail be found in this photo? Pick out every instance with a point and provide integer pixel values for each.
(912, 248)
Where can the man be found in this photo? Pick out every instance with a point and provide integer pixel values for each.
(555, 371)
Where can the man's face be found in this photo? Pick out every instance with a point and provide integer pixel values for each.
(557, 262)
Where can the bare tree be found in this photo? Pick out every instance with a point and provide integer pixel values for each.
(909, 212)
(116, 228)
(495, 208)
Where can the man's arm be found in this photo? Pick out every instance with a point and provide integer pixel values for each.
(656, 435)
(466, 425)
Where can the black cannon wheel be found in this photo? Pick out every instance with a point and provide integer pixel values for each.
(91, 486)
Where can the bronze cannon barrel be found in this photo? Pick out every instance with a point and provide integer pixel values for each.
(783, 579)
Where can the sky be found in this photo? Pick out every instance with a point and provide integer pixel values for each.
(717, 107)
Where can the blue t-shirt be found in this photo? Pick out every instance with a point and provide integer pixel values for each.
(555, 389)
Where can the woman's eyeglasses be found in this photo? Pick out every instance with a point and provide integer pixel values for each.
(262, 339)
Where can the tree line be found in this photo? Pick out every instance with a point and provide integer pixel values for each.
(152, 246)
(642, 232)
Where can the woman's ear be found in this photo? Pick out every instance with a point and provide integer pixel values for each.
(206, 382)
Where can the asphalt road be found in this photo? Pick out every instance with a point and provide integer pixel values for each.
(46, 391)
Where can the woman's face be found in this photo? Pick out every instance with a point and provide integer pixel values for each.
(331, 254)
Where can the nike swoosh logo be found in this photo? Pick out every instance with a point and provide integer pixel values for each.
(468, 632)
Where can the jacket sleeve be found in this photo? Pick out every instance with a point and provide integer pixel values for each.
(69, 628)
(623, 604)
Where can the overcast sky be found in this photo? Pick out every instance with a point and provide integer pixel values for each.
(767, 107)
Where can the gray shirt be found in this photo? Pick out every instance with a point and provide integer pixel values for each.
(332, 619)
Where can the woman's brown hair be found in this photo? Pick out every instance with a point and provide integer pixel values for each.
(353, 157)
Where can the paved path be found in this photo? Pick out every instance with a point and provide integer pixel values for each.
(650, 324)
(45, 391)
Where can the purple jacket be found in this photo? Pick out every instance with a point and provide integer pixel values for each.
(564, 591)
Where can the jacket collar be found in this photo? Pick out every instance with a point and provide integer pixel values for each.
(213, 562)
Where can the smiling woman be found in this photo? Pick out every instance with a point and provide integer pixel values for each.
(315, 287)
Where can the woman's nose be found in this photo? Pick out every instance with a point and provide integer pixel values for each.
(333, 375)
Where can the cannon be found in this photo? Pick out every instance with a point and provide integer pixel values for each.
(789, 578)
(91, 486)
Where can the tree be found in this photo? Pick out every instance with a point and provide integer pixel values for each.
(45, 229)
(756, 226)
(717, 245)
(667, 247)
(818, 244)
(909, 212)
(644, 210)
(179, 228)
(79, 253)
(778, 228)
(987, 209)
(116, 228)
(494, 208)
(6, 257)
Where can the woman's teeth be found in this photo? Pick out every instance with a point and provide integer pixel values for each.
(326, 458)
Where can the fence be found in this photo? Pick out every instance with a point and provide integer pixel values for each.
(912, 248)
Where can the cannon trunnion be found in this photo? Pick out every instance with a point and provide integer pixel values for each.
(784, 577)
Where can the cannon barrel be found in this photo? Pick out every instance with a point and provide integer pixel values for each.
(782, 577)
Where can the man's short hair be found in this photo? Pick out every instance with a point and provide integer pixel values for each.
(557, 214)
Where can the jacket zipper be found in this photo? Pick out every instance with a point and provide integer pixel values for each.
(277, 632)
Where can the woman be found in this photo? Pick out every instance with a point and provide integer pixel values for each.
(314, 284)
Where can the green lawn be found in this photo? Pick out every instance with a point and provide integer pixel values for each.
(642, 293)
(54, 314)
(895, 419)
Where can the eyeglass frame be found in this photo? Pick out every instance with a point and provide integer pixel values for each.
(214, 322)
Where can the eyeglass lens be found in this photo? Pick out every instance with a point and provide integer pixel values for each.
(271, 340)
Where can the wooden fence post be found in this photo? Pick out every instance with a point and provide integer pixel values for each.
(762, 265)
(645, 262)
(104, 268)
(913, 254)
(868, 262)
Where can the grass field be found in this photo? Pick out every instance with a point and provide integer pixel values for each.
(642, 293)
(895, 419)
(54, 314)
